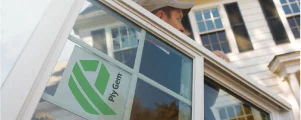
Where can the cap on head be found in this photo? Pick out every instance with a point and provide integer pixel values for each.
(152, 5)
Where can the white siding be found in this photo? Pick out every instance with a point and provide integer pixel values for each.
(255, 63)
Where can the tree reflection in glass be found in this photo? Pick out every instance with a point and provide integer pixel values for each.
(219, 104)
(152, 104)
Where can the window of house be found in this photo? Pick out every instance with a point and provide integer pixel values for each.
(292, 11)
(290, 6)
(211, 30)
(220, 104)
(239, 29)
(125, 41)
(159, 79)
(274, 22)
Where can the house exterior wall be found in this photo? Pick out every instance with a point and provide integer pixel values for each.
(254, 63)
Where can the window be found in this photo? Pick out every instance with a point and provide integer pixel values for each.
(211, 30)
(219, 104)
(160, 80)
(292, 11)
(290, 6)
(294, 23)
(238, 26)
(125, 43)
(274, 22)
(87, 59)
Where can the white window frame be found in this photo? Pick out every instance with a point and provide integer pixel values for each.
(225, 21)
(22, 98)
(222, 16)
(283, 18)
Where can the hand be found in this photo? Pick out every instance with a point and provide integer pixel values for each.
(222, 55)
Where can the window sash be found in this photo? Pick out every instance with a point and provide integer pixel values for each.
(172, 37)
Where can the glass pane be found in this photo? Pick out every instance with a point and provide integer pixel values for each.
(85, 77)
(215, 12)
(56, 113)
(133, 40)
(210, 25)
(291, 22)
(269, 8)
(59, 69)
(119, 38)
(116, 43)
(247, 109)
(216, 41)
(222, 114)
(222, 36)
(124, 55)
(241, 118)
(199, 16)
(125, 42)
(286, 9)
(220, 104)
(296, 32)
(202, 27)
(99, 40)
(208, 47)
(132, 31)
(205, 39)
(283, 1)
(152, 104)
(298, 20)
(230, 111)
(225, 47)
(213, 38)
(250, 118)
(218, 23)
(167, 66)
(234, 14)
(278, 31)
(292, 0)
(238, 110)
(216, 47)
(115, 33)
(119, 56)
(123, 32)
(242, 38)
(207, 14)
(295, 8)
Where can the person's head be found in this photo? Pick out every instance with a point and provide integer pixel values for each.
(172, 16)
(170, 11)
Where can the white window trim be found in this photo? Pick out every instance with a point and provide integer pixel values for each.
(25, 83)
(283, 18)
(225, 21)
(212, 19)
(22, 98)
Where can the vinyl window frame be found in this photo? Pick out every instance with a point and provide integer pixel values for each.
(23, 101)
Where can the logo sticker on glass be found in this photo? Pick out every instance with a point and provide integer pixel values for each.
(92, 87)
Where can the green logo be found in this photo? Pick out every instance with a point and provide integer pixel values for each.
(100, 84)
